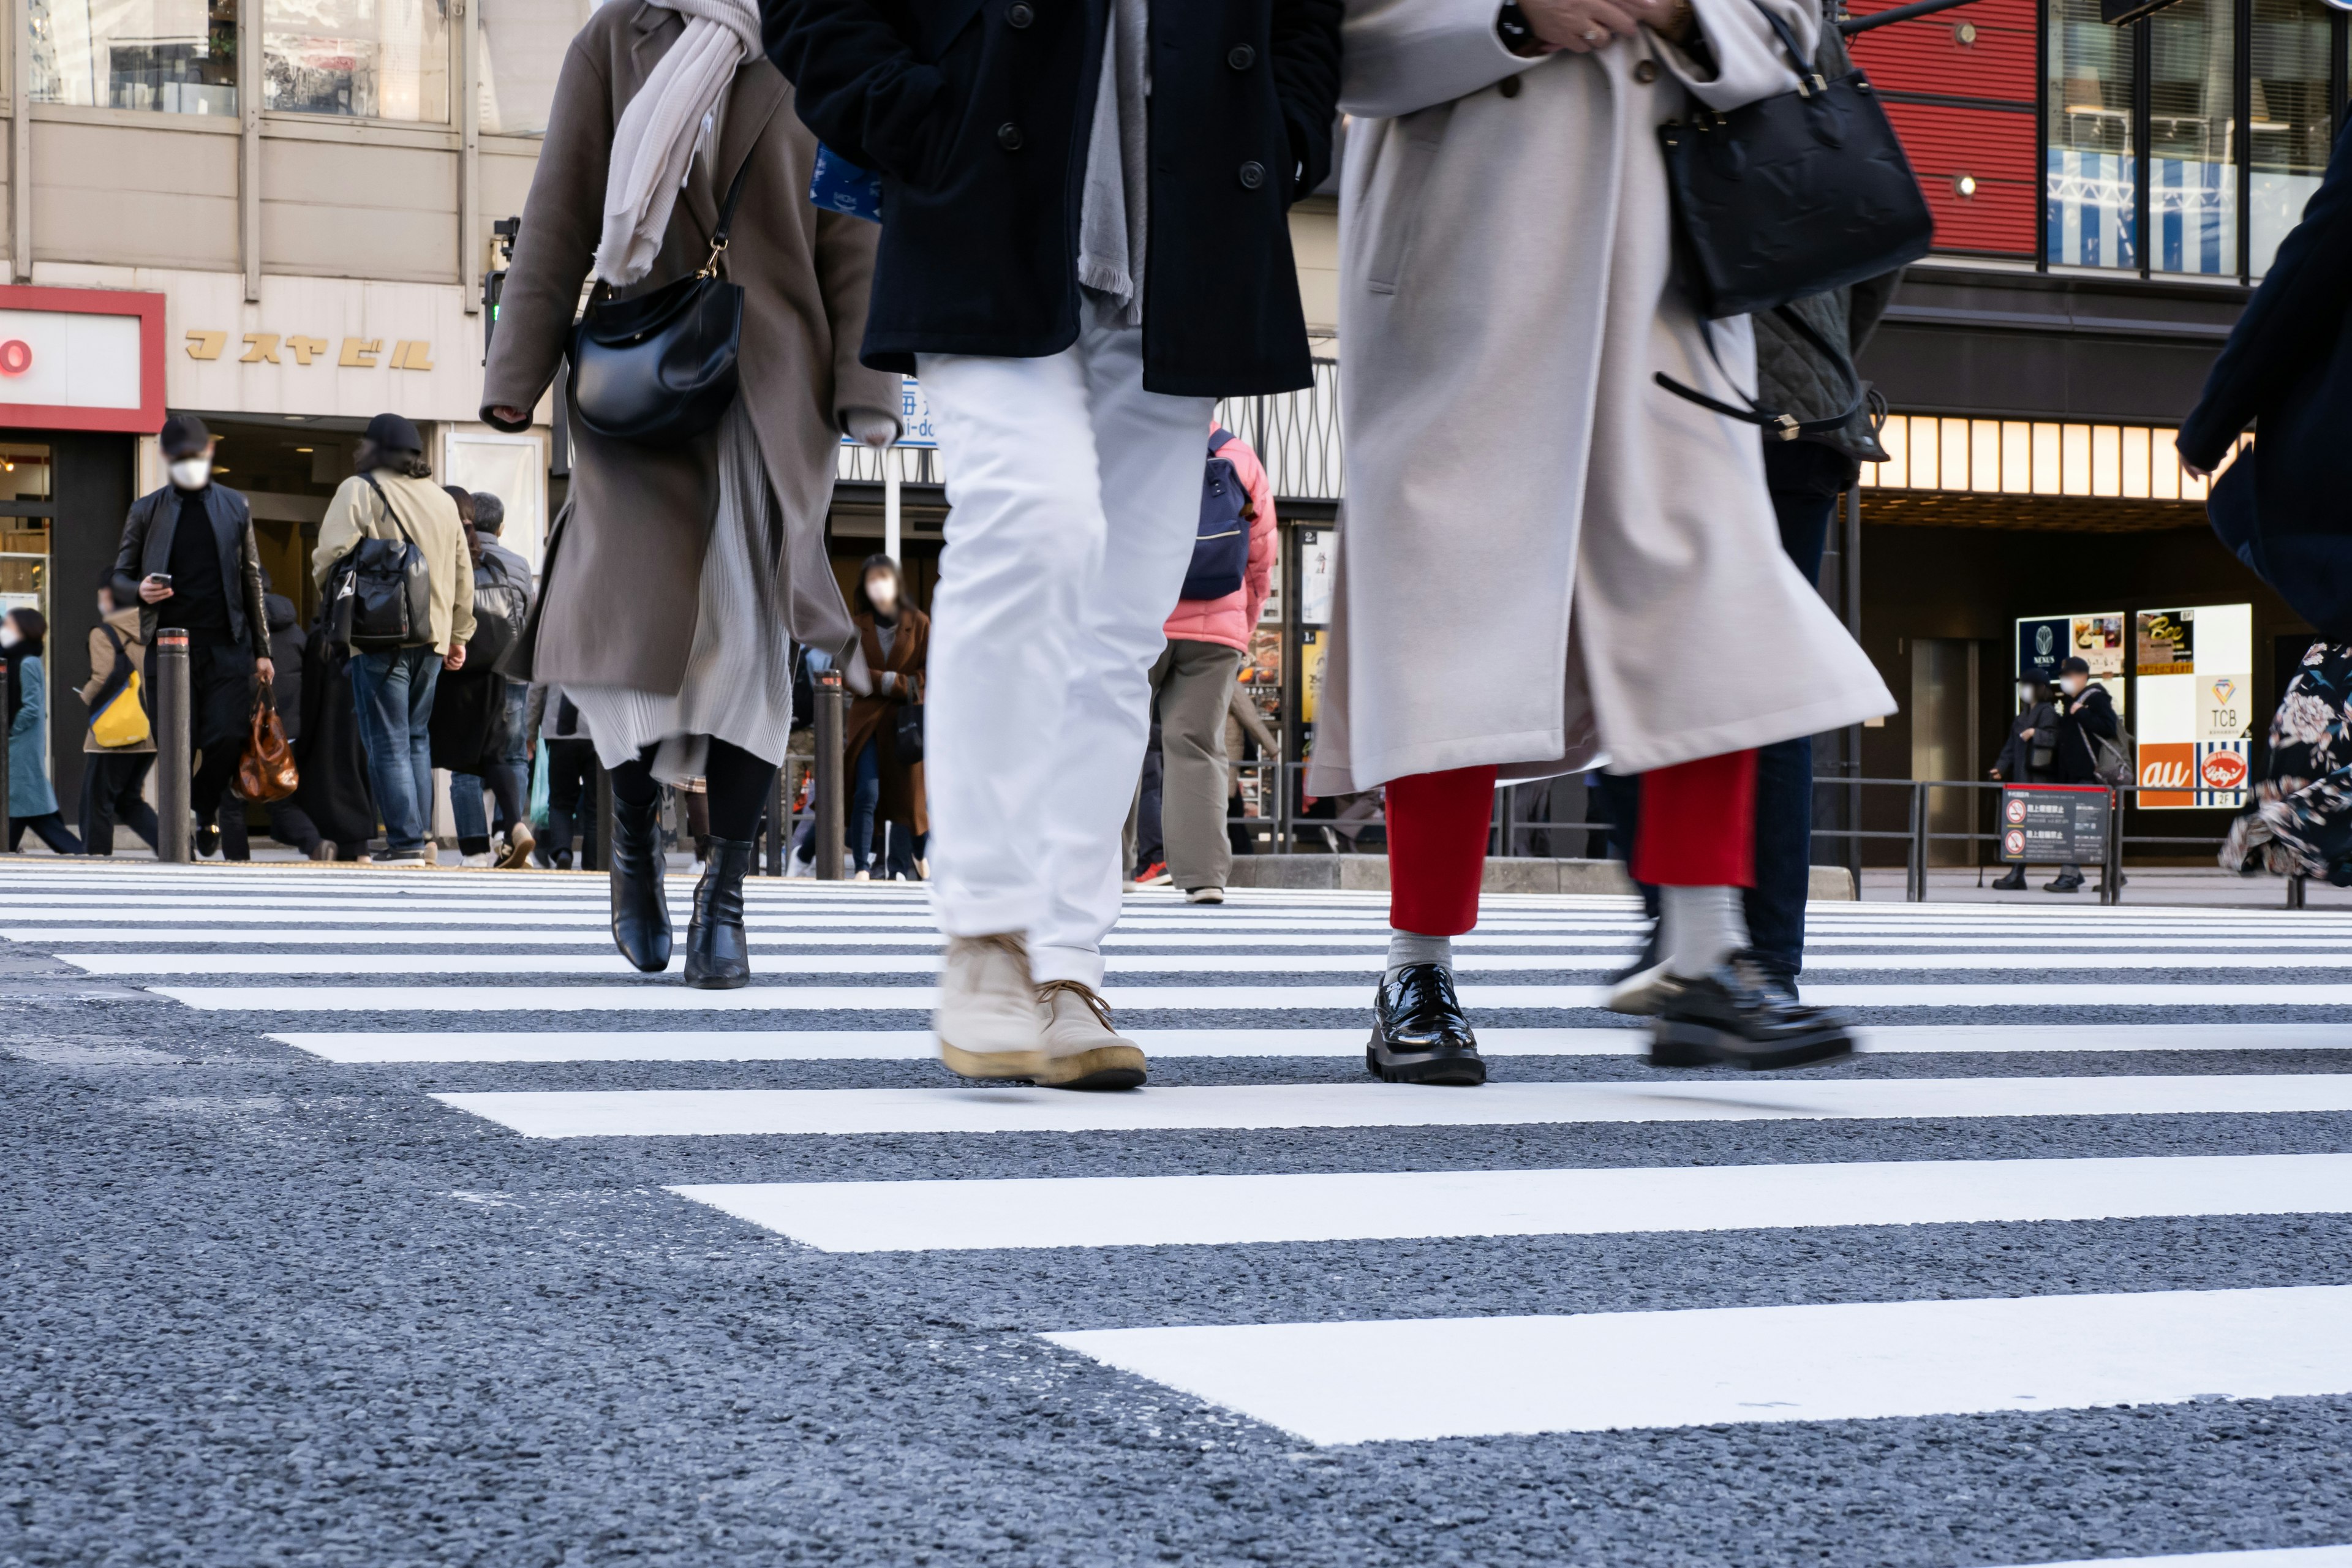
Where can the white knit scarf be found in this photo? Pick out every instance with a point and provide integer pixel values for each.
(655, 142)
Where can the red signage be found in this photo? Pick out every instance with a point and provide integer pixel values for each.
(81, 358)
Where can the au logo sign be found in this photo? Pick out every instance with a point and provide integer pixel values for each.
(2167, 772)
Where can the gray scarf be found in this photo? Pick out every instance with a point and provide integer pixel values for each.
(1113, 212)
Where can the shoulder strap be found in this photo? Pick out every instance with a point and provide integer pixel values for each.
(390, 511)
(1809, 80)
(727, 216)
(1783, 427)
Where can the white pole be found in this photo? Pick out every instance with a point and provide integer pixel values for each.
(890, 502)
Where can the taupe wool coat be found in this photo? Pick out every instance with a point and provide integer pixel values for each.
(625, 562)
(1548, 559)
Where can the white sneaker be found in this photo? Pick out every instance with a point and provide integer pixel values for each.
(484, 860)
(861, 877)
(922, 867)
(1082, 1050)
(989, 1025)
(1205, 896)
(518, 846)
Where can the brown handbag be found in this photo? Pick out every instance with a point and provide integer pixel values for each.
(265, 772)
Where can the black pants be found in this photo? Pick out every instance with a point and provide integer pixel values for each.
(220, 716)
(288, 823)
(111, 783)
(570, 799)
(50, 827)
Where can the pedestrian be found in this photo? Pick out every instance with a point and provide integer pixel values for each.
(680, 572)
(289, 822)
(2030, 755)
(2088, 745)
(31, 802)
(392, 497)
(1070, 386)
(1246, 731)
(329, 758)
(189, 559)
(119, 747)
(1193, 678)
(2298, 819)
(1486, 515)
(885, 673)
(571, 776)
(470, 722)
(508, 758)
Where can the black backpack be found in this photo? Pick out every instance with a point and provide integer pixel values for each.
(1220, 551)
(500, 607)
(380, 594)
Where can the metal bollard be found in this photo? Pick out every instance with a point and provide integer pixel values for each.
(831, 811)
(2295, 892)
(2111, 867)
(167, 665)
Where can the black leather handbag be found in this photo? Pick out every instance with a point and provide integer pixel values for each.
(659, 367)
(907, 734)
(1790, 195)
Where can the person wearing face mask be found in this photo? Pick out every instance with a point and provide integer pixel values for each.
(2030, 753)
(189, 559)
(885, 673)
(2086, 716)
(31, 802)
(113, 776)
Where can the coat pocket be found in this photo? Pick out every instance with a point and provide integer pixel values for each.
(1397, 190)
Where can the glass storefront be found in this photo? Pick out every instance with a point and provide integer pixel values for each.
(2290, 127)
(370, 60)
(2094, 163)
(523, 45)
(2192, 177)
(27, 500)
(175, 56)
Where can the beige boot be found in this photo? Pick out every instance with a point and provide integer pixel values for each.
(1082, 1050)
(988, 1022)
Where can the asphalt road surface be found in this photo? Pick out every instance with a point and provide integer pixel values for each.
(370, 1217)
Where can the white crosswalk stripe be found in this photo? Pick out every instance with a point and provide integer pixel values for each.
(1275, 986)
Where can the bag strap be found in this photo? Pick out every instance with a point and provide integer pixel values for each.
(1808, 79)
(390, 511)
(1782, 427)
(726, 219)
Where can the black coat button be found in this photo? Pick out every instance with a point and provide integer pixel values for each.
(1008, 136)
(1241, 57)
(1508, 87)
(1019, 16)
(1252, 175)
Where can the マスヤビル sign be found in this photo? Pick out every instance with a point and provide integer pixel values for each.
(81, 358)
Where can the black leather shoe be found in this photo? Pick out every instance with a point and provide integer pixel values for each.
(1737, 1017)
(1419, 1035)
(2063, 884)
(640, 911)
(207, 841)
(717, 956)
(2014, 881)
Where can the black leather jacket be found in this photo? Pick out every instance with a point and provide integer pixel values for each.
(147, 548)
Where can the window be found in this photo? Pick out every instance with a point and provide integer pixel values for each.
(2092, 173)
(2288, 131)
(2193, 171)
(370, 60)
(176, 56)
(523, 43)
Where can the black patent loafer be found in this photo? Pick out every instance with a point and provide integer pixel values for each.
(1419, 1035)
(718, 956)
(1734, 1017)
(640, 909)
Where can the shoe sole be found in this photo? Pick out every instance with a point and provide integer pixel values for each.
(992, 1066)
(1721, 1048)
(1425, 1067)
(1104, 1066)
(718, 982)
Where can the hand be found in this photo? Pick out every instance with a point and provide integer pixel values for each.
(153, 592)
(266, 670)
(2025, 734)
(455, 660)
(2193, 471)
(1580, 27)
(870, 427)
(508, 414)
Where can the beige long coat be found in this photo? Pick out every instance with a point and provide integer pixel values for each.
(626, 561)
(1548, 559)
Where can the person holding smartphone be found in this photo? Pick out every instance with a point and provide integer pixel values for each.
(188, 558)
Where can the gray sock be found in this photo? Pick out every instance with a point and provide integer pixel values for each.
(1410, 947)
(1701, 928)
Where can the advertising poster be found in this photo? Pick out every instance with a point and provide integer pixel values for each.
(2099, 643)
(2053, 825)
(2097, 637)
(1319, 554)
(2194, 705)
(1312, 646)
(2043, 644)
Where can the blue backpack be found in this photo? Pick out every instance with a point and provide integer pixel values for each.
(1220, 551)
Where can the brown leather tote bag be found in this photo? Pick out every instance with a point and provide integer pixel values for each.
(265, 772)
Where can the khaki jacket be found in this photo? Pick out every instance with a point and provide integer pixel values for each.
(432, 520)
(125, 621)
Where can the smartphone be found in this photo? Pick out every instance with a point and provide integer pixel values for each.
(161, 579)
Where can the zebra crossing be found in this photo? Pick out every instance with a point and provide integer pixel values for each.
(2077, 1066)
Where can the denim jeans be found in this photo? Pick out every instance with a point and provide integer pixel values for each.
(392, 689)
(506, 769)
(864, 798)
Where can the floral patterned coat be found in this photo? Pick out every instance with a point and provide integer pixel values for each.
(2300, 823)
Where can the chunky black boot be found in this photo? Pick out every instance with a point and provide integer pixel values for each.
(1738, 1017)
(640, 911)
(2014, 881)
(717, 956)
(1419, 1035)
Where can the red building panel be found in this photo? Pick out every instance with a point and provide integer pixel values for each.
(1991, 147)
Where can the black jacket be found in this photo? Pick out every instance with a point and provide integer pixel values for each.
(287, 642)
(975, 113)
(2289, 364)
(2015, 764)
(147, 548)
(2091, 714)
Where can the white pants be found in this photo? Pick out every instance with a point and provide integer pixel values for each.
(1074, 496)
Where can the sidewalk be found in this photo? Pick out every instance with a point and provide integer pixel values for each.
(2209, 887)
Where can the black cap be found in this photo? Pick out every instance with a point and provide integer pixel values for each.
(391, 433)
(2074, 667)
(489, 512)
(184, 436)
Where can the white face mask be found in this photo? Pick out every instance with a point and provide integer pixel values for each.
(191, 473)
(9, 635)
(883, 595)
(2073, 686)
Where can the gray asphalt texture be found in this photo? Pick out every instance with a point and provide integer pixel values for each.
(260, 1309)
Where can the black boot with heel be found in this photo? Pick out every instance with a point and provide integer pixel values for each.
(640, 911)
(718, 958)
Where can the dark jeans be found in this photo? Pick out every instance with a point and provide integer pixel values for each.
(865, 797)
(110, 786)
(288, 823)
(392, 689)
(506, 769)
(571, 798)
(49, 826)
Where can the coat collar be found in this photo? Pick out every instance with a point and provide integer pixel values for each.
(753, 99)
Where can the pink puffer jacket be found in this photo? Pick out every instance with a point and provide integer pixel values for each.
(1228, 620)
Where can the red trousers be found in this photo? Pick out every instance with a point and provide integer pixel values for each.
(1698, 830)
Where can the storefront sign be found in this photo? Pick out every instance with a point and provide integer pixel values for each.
(357, 353)
(2053, 825)
(2166, 643)
(2045, 642)
(2194, 705)
(1318, 560)
(81, 358)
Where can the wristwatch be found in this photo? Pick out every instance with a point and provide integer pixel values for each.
(1518, 33)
